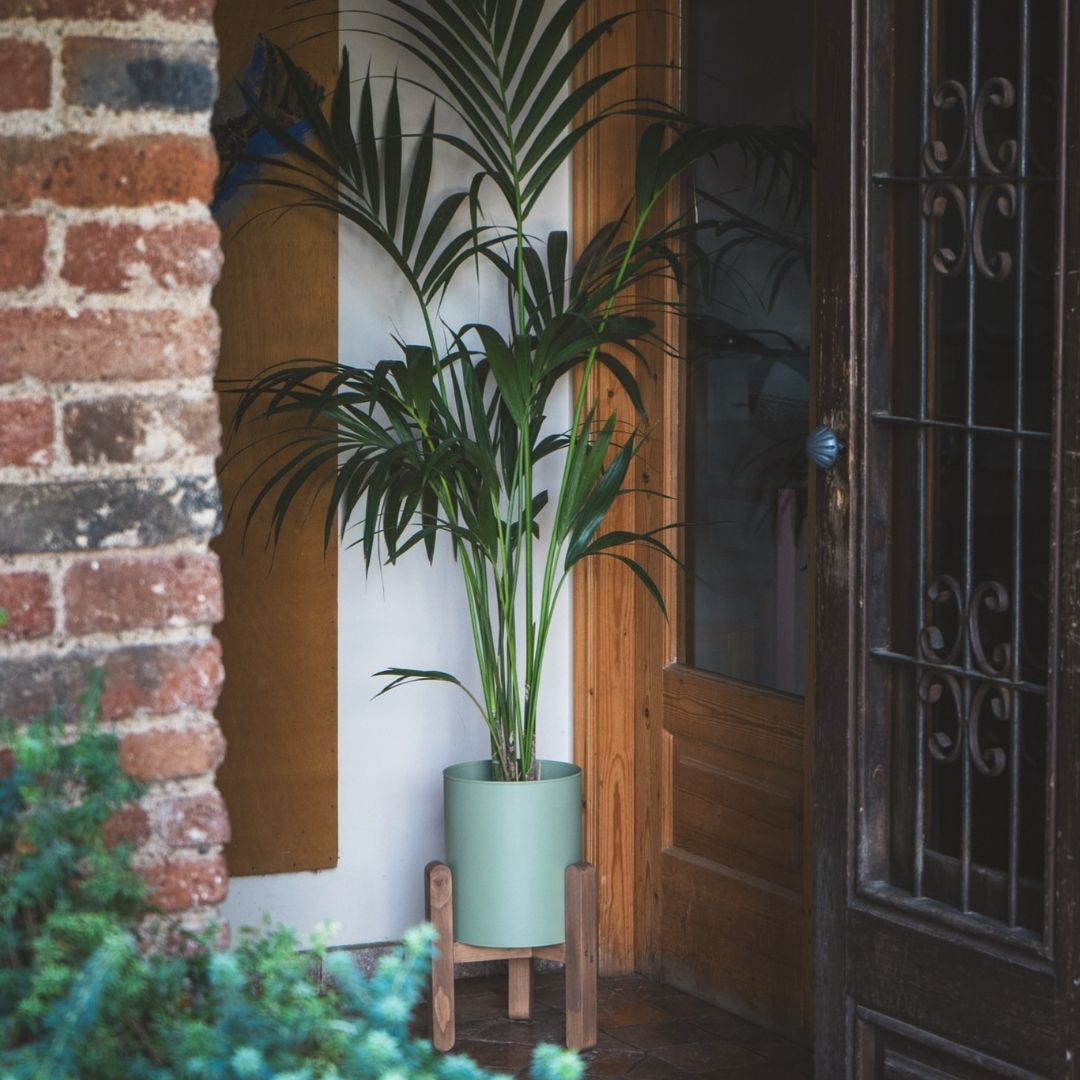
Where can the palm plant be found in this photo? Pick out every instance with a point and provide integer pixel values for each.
(446, 437)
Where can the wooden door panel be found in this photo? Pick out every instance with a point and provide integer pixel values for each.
(734, 716)
(732, 939)
(732, 867)
(891, 1050)
(942, 987)
(731, 815)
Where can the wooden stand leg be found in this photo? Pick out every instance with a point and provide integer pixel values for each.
(521, 988)
(440, 913)
(581, 956)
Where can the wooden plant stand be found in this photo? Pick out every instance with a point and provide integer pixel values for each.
(577, 954)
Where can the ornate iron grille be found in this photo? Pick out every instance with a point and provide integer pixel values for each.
(961, 259)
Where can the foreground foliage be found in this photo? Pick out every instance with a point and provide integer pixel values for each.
(81, 997)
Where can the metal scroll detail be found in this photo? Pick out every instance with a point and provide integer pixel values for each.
(970, 198)
(947, 689)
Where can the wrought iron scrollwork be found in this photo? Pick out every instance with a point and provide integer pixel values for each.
(937, 199)
(1001, 94)
(995, 265)
(947, 96)
(946, 187)
(990, 762)
(943, 590)
(944, 688)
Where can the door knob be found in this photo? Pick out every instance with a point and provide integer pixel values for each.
(823, 446)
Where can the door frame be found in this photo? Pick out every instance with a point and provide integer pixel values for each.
(622, 642)
(621, 639)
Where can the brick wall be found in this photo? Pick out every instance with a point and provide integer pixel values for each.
(108, 425)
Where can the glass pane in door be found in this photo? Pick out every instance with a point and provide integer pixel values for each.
(748, 349)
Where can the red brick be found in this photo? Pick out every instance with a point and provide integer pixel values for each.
(141, 429)
(22, 251)
(176, 886)
(111, 594)
(162, 679)
(192, 820)
(154, 679)
(128, 825)
(77, 170)
(27, 67)
(25, 596)
(26, 431)
(125, 10)
(53, 345)
(109, 258)
(173, 753)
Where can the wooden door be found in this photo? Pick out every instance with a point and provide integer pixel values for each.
(947, 747)
(734, 923)
(692, 730)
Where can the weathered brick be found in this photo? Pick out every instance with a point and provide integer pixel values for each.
(151, 679)
(187, 883)
(77, 170)
(112, 594)
(86, 515)
(56, 346)
(173, 753)
(27, 68)
(26, 598)
(26, 431)
(124, 10)
(22, 250)
(126, 430)
(136, 74)
(104, 257)
(191, 820)
(128, 825)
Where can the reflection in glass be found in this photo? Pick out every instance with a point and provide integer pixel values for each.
(748, 349)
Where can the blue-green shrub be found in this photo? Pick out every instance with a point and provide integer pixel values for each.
(81, 998)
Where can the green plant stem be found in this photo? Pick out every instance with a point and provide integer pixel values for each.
(551, 589)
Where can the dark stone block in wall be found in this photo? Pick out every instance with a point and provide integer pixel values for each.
(126, 75)
(94, 514)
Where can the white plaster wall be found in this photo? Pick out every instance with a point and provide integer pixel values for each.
(392, 750)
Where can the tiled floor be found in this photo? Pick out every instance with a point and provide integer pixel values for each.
(647, 1031)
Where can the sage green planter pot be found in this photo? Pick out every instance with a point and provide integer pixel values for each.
(508, 845)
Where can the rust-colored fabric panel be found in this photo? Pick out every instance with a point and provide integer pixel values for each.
(277, 299)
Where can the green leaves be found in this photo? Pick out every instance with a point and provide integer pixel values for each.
(507, 74)
(437, 447)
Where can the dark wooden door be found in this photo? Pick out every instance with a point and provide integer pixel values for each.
(948, 539)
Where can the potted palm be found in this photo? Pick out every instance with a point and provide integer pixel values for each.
(440, 446)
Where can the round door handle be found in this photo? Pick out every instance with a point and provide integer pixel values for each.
(823, 446)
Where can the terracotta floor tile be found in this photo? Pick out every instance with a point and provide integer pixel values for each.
(547, 1025)
(611, 1062)
(506, 1057)
(771, 1045)
(663, 1033)
(618, 1012)
(706, 1057)
(647, 1032)
(764, 1071)
(652, 1068)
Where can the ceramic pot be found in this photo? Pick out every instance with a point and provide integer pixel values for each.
(508, 845)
